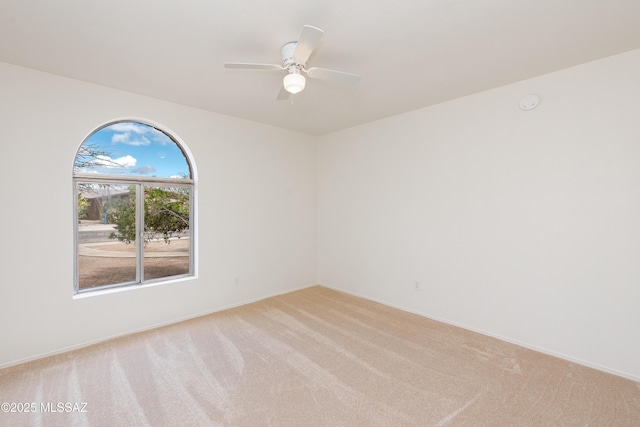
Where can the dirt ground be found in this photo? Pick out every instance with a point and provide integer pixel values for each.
(104, 270)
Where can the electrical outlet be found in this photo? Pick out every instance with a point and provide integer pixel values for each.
(236, 281)
(416, 285)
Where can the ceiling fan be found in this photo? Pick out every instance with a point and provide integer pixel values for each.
(294, 58)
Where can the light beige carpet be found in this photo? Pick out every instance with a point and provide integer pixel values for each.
(314, 357)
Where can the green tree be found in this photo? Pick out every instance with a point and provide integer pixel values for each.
(166, 214)
(83, 204)
(122, 212)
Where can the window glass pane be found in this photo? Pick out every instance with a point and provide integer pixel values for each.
(131, 148)
(106, 234)
(167, 233)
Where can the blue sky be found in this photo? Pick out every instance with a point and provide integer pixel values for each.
(137, 149)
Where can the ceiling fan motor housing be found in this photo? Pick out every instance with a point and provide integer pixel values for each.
(287, 54)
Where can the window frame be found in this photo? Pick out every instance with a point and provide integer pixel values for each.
(141, 182)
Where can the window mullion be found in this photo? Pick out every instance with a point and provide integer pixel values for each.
(139, 233)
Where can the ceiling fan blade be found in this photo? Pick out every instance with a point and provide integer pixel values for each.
(307, 42)
(333, 76)
(283, 95)
(252, 66)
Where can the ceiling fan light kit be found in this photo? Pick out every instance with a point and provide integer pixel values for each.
(294, 58)
(294, 83)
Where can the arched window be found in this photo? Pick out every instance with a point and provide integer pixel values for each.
(134, 208)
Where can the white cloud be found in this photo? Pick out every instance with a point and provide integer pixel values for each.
(137, 134)
(160, 137)
(126, 161)
(125, 138)
(139, 141)
(120, 137)
(119, 162)
(129, 127)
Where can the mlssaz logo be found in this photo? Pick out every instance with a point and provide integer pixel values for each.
(63, 407)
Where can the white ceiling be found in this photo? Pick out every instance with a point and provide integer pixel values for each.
(410, 53)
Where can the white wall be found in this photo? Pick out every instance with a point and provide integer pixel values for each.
(522, 225)
(256, 213)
